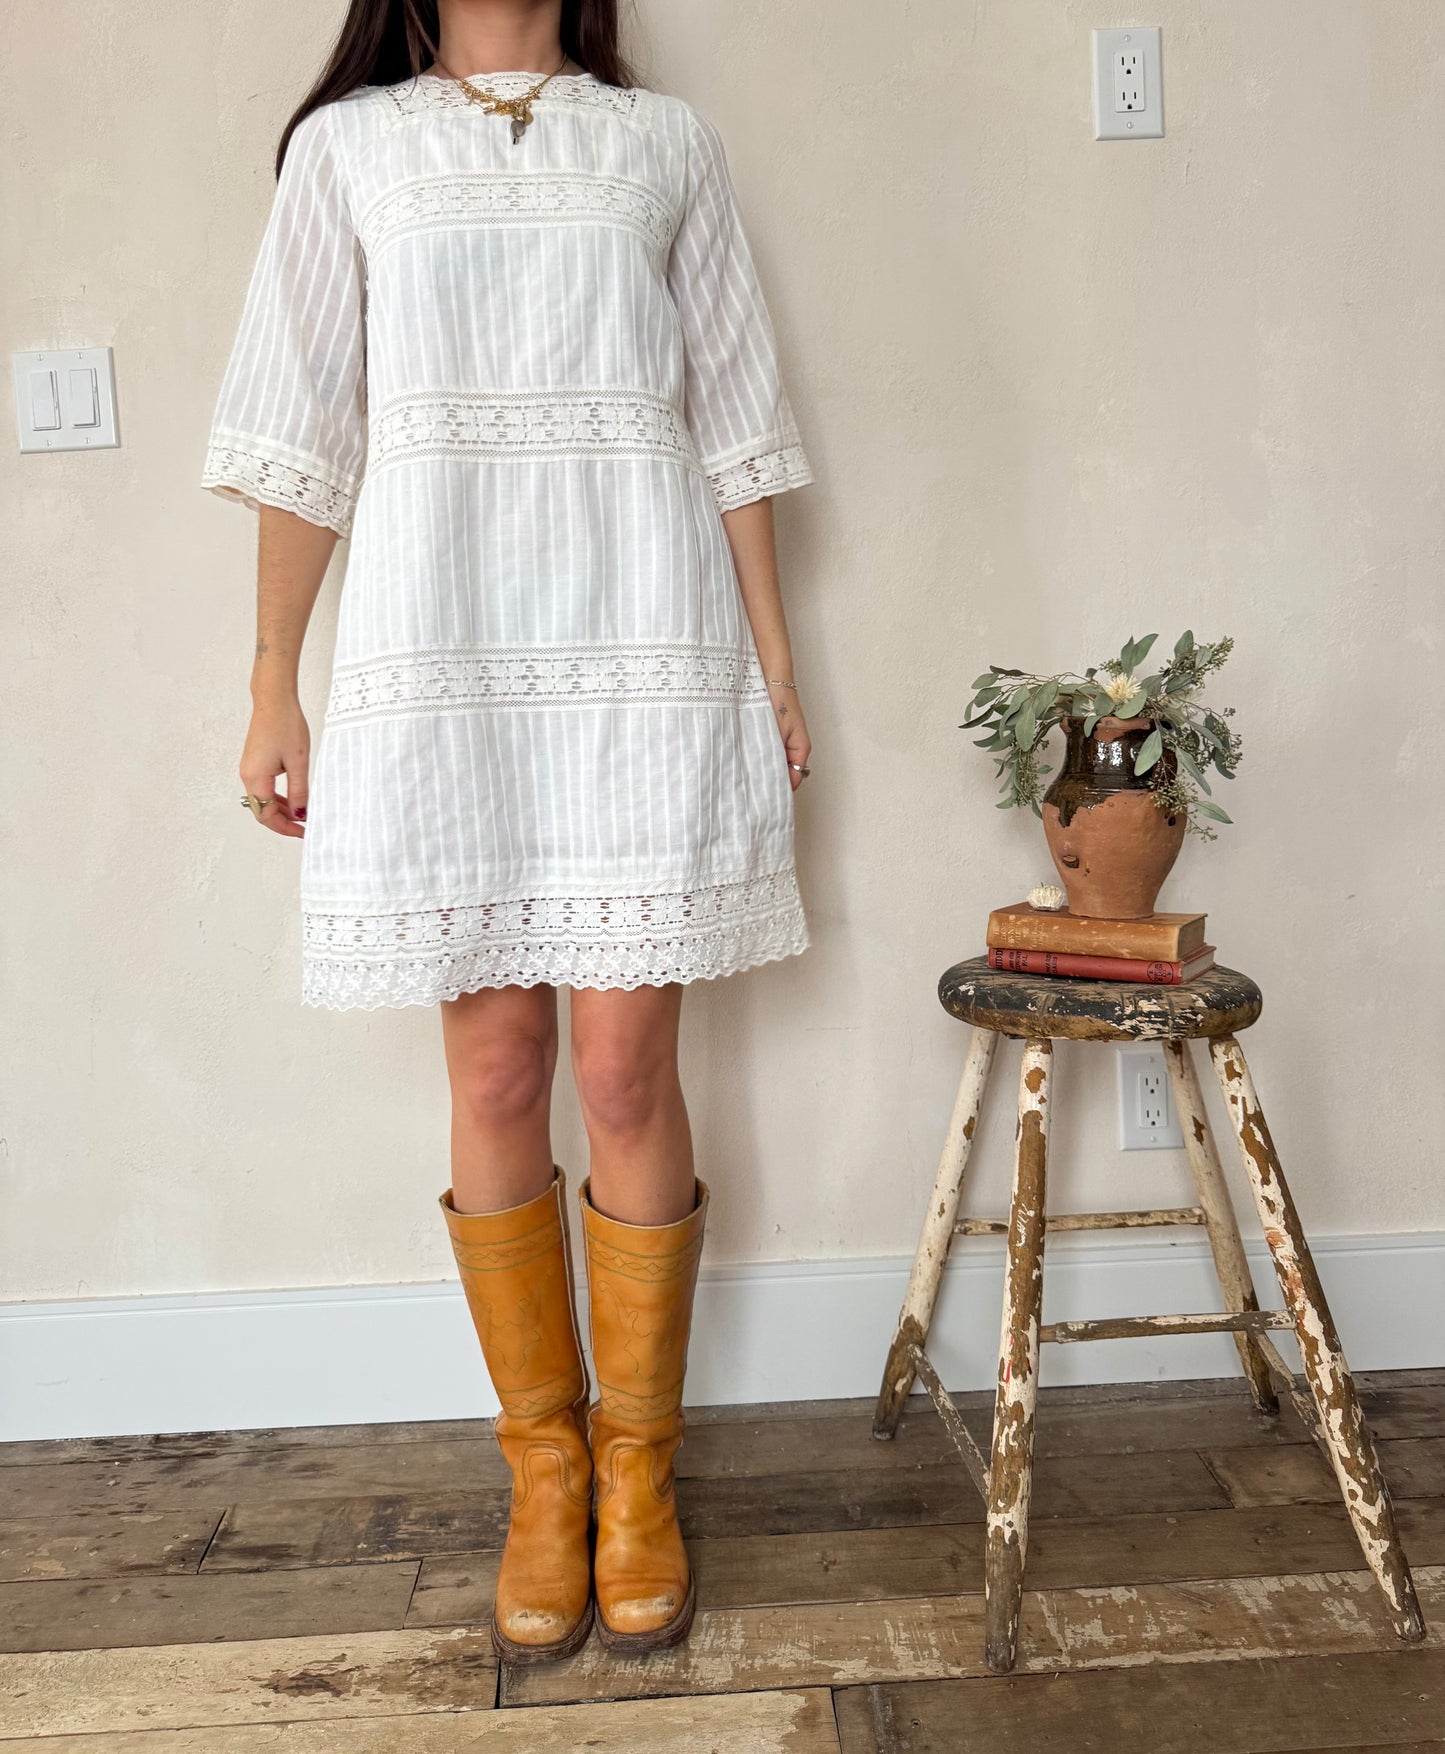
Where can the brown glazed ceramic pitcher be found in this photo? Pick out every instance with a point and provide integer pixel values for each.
(1111, 843)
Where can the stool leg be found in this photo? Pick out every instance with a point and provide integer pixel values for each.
(1011, 1466)
(916, 1315)
(1222, 1227)
(1347, 1437)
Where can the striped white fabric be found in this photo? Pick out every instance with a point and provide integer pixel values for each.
(526, 380)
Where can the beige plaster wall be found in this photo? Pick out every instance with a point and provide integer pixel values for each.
(1055, 392)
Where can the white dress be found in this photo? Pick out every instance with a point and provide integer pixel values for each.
(526, 380)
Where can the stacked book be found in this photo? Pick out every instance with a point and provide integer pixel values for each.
(1164, 950)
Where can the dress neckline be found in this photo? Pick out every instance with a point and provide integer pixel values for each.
(512, 76)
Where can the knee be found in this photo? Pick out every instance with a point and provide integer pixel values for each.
(621, 1092)
(505, 1078)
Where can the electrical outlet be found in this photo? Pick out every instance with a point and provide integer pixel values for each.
(1147, 1121)
(1128, 84)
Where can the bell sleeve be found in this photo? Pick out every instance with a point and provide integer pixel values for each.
(290, 423)
(737, 409)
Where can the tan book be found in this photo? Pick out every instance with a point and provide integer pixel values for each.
(1165, 937)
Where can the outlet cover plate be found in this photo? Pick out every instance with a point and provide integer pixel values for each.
(1128, 83)
(1147, 1119)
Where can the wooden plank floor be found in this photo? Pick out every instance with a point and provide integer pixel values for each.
(1193, 1588)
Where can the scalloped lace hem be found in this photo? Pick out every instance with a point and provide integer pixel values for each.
(250, 477)
(369, 961)
(754, 478)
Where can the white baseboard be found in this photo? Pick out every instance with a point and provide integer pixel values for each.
(772, 1332)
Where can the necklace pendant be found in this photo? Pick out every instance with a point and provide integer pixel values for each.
(521, 121)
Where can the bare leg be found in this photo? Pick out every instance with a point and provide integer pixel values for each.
(624, 1059)
(501, 1048)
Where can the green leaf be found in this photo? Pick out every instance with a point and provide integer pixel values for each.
(1149, 752)
(1045, 697)
(1005, 804)
(1185, 643)
(993, 742)
(990, 693)
(1103, 704)
(1034, 806)
(1090, 722)
(1186, 761)
(1132, 707)
(1141, 649)
(983, 681)
(1205, 808)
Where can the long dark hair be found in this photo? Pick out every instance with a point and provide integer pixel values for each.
(383, 41)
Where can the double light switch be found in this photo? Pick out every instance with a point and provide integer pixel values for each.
(65, 399)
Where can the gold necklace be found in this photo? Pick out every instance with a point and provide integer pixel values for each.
(518, 108)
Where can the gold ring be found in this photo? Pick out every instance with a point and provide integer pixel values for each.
(256, 805)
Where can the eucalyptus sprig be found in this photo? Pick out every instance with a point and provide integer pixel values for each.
(1018, 710)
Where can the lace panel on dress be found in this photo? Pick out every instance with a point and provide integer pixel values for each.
(457, 202)
(239, 469)
(493, 678)
(440, 423)
(431, 92)
(365, 961)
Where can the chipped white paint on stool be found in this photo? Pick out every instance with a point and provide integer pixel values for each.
(1230, 1266)
(1010, 1475)
(1347, 1438)
(933, 1245)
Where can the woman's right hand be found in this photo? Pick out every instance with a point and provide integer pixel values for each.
(278, 743)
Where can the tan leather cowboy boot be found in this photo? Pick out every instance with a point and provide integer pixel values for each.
(641, 1280)
(516, 1272)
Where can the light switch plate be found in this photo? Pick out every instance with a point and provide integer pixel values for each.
(65, 399)
(1128, 83)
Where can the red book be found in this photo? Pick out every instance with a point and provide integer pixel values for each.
(1104, 968)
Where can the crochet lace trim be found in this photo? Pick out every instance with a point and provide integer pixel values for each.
(470, 679)
(457, 201)
(366, 961)
(754, 478)
(432, 92)
(444, 423)
(237, 469)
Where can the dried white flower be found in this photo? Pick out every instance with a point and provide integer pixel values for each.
(1121, 688)
(1047, 898)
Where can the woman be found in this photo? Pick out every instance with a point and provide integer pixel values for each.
(506, 333)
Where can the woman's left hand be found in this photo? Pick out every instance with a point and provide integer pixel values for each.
(788, 711)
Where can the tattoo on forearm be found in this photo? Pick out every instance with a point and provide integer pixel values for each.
(261, 648)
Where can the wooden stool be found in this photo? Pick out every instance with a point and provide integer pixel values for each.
(1042, 1010)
